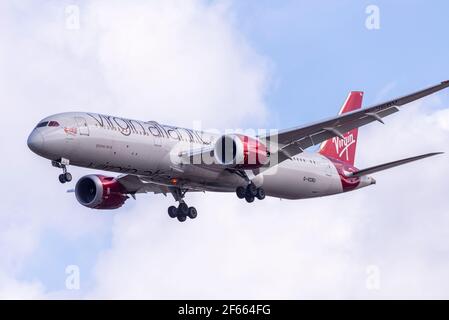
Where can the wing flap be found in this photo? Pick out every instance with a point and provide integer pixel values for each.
(140, 184)
(134, 184)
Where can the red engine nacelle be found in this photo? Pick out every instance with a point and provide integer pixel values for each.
(240, 151)
(100, 192)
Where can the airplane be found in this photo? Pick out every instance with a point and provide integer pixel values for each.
(163, 159)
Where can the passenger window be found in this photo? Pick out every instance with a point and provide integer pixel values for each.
(42, 124)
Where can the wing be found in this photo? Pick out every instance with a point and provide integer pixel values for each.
(201, 157)
(293, 141)
(139, 184)
(135, 184)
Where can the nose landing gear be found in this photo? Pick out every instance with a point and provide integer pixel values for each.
(183, 210)
(64, 176)
(250, 193)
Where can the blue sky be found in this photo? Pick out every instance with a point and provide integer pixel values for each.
(321, 50)
(313, 54)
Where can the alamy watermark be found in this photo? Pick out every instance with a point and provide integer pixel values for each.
(373, 278)
(72, 17)
(72, 280)
(372, 21)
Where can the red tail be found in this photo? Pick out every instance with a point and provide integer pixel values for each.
(344, 149)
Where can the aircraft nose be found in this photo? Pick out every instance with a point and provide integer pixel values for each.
(35, 142)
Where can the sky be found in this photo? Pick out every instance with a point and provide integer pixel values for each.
(226, 64)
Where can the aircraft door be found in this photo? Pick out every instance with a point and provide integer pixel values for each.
(82, 126)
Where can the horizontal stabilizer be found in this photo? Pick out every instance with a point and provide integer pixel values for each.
(389, 165)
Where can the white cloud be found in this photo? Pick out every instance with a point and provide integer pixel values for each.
(10, 288)
(177, 61)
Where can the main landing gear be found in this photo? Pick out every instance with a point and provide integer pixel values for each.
(250, 193)
(183, 210)
(64, 176)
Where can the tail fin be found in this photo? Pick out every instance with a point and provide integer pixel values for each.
(344, 149)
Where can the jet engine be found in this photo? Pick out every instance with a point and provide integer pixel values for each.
(240, 151)
(100, 192)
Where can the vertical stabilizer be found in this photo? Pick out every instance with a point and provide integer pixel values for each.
(344, 149)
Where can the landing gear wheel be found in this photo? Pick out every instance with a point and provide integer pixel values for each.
(68, 176)
(172, 212)
(241, 192)
(260, 194)
(62, 178)
(251, 190)
(192, 213)
(249, 198)
(183, 209)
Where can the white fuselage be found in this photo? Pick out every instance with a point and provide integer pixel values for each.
(150, 150)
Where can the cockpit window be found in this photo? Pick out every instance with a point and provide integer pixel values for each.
(53, 124)
(42, 124)
(48, 123)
